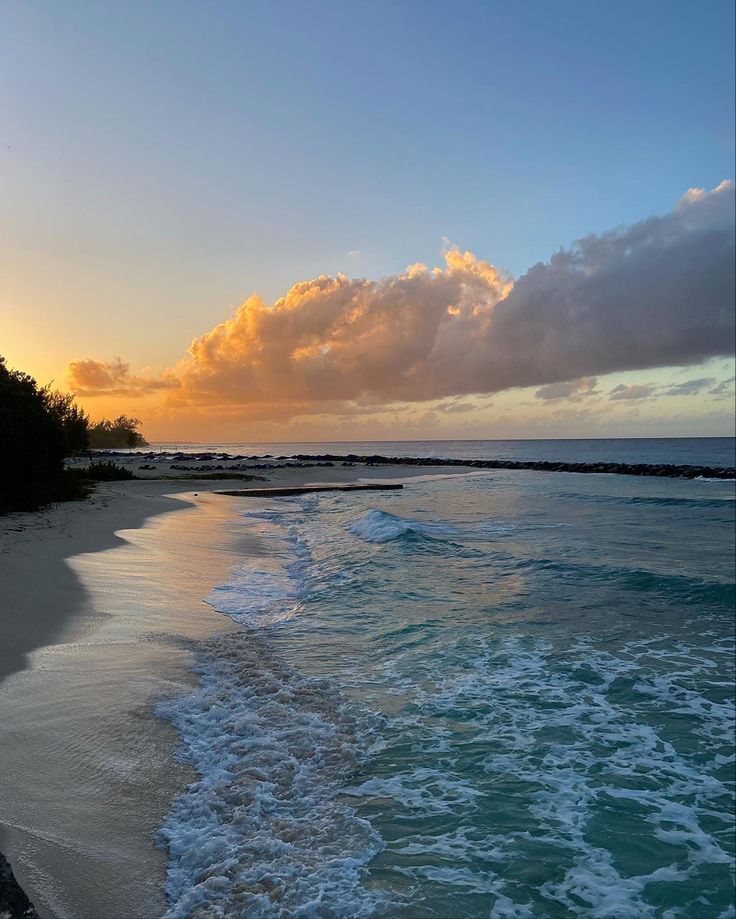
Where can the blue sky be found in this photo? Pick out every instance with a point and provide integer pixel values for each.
(163, 160)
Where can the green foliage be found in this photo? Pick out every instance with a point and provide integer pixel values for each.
(39, 428)
(73, 419)
(104, 472)
(34, 442)
(114, 435)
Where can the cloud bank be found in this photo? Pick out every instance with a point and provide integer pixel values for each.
(657, 293)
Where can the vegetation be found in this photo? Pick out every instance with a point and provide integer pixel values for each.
(103, 472)
(74, 420)
(39, 428)
(114, 435)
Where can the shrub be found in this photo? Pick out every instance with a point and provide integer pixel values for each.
(38, 429)
(34, 444)
(104, 472)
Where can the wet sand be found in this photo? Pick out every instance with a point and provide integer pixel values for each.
(88, 771)
(100, 605)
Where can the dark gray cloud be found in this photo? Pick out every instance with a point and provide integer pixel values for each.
(658, 293)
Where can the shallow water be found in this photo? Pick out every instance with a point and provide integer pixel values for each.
(503, 695)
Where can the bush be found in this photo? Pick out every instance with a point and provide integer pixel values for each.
(103, 472)
(34, 444)
(38, 429)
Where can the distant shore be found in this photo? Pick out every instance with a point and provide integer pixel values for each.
(154, 464)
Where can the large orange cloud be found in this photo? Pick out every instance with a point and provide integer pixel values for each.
(657, 293)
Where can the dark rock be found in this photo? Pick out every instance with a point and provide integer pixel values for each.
(14, 904)
(638, 469)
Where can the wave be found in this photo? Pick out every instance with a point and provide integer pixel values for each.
(724, 503)
(649, 584)
(379, 526)
(495, 753)
(683, 502)
(267, 589)
(562, 739)
(263, 832)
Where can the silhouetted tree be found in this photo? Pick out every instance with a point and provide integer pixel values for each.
(113, 435)
(33, 444)
(73, 419)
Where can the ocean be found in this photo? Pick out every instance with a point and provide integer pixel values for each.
(488, 695)
(695, 451)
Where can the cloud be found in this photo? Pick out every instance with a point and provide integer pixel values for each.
(457, 408)
(574, 389)
(110, 378)
(634, 391)
(657, 293)
(723, 388)
(689, 387)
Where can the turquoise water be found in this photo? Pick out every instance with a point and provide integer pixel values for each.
(505, 695)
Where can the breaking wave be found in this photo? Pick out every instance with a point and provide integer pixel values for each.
(539, 727)
(262, 832)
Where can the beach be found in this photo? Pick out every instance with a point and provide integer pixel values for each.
(104, 599)
(367, 461)
(245, 696)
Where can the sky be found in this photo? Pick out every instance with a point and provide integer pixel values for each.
(347, 220)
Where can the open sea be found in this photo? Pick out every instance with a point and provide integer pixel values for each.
(504, 694)
(695, 451)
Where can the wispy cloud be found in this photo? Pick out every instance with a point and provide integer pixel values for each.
(657, 293)
(689, 387)
(570, 389)
(633, 391)
(724, 388)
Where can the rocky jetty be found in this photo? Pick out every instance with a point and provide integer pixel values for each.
(281, 491)
(665, 470)
(223, 462)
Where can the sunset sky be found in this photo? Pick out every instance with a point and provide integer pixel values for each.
(362, 220)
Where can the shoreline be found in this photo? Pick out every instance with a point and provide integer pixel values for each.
(90, 770)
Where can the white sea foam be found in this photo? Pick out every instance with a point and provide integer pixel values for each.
(500, 757)
(596, 753)
(378, 526)
(423, 791)
(262, 832)
(264, 590)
